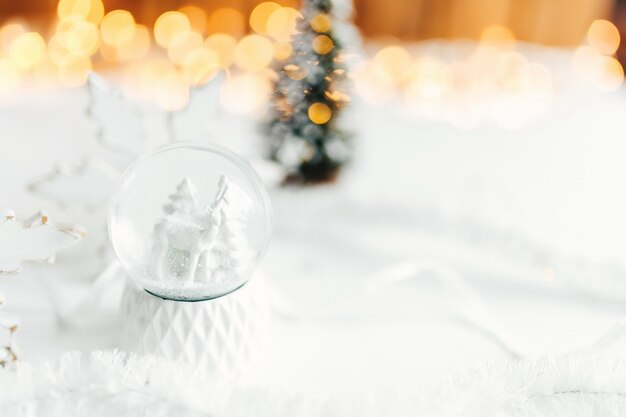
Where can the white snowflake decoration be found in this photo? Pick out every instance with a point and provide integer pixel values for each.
(36, 239)
(88, 184)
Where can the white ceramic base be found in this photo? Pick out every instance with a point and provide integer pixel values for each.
(224, 336)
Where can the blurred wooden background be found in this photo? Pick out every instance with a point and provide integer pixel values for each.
(552, 22)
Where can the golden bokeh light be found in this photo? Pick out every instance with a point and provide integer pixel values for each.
(183, 43)
(295, 72)
(611, 74)
(137, 47)
(141, 42)
(604, 73)
(253, 53)
(169, 25)
(8, 33)
(321, 23)
(603, 36)
(498, 35)
(117, 28)
(224, 46)
(9, 75)
(319, 113)
(90, 10)
(584, 63)
(282, 50)
(27, 50)
(246, 93)
(393, 63)
(260, 16)
(323, 44)
(281, 24)
(56, 51)
(73, 8)
(200, 65)
(227, 20)
(197, 18)
(78, 36)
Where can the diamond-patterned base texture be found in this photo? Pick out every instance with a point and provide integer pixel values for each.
(225, 336)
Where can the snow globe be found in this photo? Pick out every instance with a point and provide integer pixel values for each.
(189, 224)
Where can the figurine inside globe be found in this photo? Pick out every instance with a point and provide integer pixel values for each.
(190, 222)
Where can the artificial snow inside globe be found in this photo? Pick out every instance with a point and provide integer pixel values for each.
(190, 222)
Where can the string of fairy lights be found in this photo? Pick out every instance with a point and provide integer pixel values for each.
(187, 47)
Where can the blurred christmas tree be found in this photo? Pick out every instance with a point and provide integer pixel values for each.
(303, 132)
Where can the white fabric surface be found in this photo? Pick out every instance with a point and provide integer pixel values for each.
(497, 206)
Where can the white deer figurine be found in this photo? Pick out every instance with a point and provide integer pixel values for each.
(186, 231)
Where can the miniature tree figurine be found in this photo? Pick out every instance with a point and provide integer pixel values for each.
(183, 201)
(233, 249)
(303, 133)
(202, 245)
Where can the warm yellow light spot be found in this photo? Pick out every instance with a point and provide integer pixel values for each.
(73, 70)
(78, 36)
(197, 18)
(90, 10)
(394, 64)
(27, 50)
(172, 92)
(227, 20)
(168, 25)
(319, 113)
(200, 66)
(583, 63)
(253, 53)
(337, 96)
(323, 44)
(96, 12)
(181, 44)
(600, 71)
(137, 47)
(141, 42)
(612, 73)
(56, 51)
(245, 93)
(281, 24)
(9, 75)
(224, 46)
(117, 28)
(603, 36)
(295, 72)
(8, 33)
(282, 50)
(321, 23)
(497, 34)
(260, 15)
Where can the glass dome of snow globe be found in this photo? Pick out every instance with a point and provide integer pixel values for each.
(190, 222)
